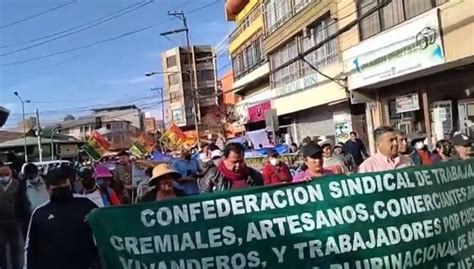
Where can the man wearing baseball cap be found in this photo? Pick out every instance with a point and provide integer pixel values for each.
(462, 143)
(313, 159)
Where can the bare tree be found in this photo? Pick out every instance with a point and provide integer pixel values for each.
(30, 123)
(216, 120)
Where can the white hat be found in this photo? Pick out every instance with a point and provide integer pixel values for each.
(217, 153)
(323, 140)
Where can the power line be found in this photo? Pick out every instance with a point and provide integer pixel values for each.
(76, 31)
(37, 14)
(203, 7)
(74, 27)
(136, 31)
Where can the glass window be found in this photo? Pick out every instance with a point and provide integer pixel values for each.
(371, 25)
(171, 61)
(276, 13)
(248, 57)
(205, 75)
(416, 7)
(173, 79)
(394, 13)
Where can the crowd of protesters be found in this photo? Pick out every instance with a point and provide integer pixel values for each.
(48, 210)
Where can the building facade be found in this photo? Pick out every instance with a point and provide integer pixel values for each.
(119, 125)
(413, 65)
(308, 87)
(249, 63)
(179, 92)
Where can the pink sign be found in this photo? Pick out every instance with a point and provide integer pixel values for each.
(257, 112)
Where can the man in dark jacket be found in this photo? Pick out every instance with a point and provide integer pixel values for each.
(356, 148)
(58, 235)
(232, 173)
(9, 208)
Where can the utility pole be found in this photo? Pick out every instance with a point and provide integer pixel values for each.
(161, 92)
(192, 72)
(25, 150)
(38, 134)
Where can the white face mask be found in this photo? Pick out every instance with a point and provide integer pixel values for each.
(273, 162)
(419, 145)
(4, 180)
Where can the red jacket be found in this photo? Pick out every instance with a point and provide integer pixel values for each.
(276, 174)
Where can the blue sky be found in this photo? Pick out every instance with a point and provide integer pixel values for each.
(108, 74)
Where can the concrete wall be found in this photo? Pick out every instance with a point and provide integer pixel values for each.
(457, 22)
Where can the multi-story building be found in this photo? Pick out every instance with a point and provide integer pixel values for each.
(179, 92)
(249, 64)
(308, 87)
(412, 61)
(119, 125)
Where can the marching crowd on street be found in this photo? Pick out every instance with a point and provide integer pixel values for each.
(46, 213)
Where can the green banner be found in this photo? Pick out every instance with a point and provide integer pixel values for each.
(419, 217)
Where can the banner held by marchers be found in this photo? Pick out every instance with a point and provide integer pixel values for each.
(420, 217)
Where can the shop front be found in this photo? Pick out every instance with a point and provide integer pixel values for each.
(314, 106)
(409, 83)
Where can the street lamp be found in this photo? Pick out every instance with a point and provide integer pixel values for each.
(195, 98)
(53, 132)
(24, 123)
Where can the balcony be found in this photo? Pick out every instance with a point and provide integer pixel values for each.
(244, 30)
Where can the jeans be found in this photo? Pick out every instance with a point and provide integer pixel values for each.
(9, 235)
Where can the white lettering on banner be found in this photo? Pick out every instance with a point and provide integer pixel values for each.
(376, 238)
(297, 85)
(237, 205)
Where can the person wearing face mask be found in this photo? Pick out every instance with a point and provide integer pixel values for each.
(443, 152)
(9, 223)
(420, 154)
(162, 181)
(275, 171)
(33, 193)
(314, 162)
(185, 165)
(58, 232)
(232, 172)
(101, 195)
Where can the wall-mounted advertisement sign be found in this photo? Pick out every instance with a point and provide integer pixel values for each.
(407, 103)
(297, 85)
(412, 46)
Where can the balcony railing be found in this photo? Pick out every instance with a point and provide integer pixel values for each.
(245, 23)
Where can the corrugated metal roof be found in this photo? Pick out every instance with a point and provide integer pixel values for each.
(30, 141)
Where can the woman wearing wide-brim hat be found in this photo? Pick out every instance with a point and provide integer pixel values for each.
(163, 178)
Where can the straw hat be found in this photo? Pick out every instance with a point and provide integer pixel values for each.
(161, 170)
